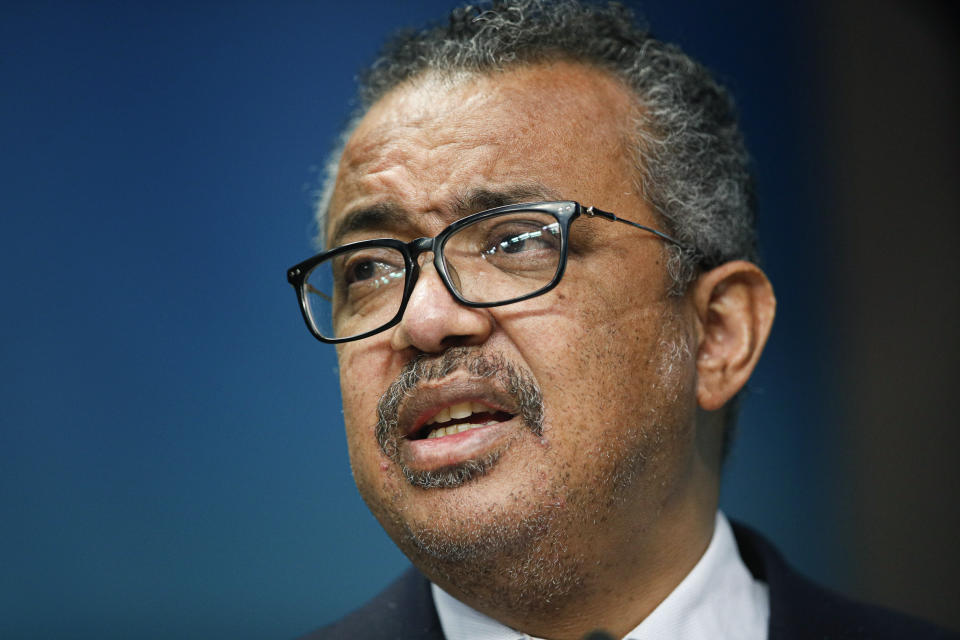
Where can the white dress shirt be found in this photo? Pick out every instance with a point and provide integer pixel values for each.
(717, 600)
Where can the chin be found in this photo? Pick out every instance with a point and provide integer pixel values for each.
(500, 554)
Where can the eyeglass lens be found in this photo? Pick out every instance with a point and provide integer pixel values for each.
(494, 259)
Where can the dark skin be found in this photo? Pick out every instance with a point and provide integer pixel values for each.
(594, 522)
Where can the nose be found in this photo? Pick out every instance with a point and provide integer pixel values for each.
(433, 321)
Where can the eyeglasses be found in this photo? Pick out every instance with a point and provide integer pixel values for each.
(492, 258)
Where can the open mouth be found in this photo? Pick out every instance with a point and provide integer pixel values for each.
(458, 418)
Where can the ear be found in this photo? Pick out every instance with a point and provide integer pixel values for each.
(735, 306)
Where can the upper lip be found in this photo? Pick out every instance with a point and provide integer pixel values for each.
(432, 397)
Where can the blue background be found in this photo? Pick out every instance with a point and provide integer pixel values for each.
(173, 462)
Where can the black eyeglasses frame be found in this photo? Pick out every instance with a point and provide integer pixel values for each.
(565, 213)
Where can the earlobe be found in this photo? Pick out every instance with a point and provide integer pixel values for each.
(735, 306)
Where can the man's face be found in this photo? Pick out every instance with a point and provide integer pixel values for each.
(603, 357)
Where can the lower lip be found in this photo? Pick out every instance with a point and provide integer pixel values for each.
(430, 454)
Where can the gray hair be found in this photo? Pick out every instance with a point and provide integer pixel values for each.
(692, 167)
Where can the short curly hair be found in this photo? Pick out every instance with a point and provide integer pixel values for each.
(692, 166)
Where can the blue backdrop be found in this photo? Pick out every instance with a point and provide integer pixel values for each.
(173, 462)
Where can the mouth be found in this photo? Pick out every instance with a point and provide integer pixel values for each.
(455, 424)
(458, 418)
(449, 419)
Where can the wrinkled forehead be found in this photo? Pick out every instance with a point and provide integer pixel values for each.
(546, 128)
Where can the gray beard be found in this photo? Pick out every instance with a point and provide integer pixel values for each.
(518, 383)
(529, 552)
(530, 555)
(517, 557)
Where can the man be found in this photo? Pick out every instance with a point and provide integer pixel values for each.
(540, 274)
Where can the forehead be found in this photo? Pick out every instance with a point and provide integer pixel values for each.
(560, 129)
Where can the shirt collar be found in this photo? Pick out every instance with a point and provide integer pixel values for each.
(718, 600)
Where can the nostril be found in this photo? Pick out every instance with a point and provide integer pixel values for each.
(465, 340)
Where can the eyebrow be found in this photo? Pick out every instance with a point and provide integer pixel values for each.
(481, 199)
(392, 217)
(383, 215)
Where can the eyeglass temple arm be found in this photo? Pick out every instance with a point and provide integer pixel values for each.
(593, 212)
(311, 289)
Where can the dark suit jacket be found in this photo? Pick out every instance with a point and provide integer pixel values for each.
(798, 608)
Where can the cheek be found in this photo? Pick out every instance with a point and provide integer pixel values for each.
(374, 475)
(599, 358)
(363, 378)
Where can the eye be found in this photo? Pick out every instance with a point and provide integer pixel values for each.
(369, 267)
(372, 272)
(521, 237)
(362, 270)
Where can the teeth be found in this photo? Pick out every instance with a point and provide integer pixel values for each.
(457, 428)
(461, 410)
(458, 412)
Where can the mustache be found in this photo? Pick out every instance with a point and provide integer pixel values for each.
(515, 381)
